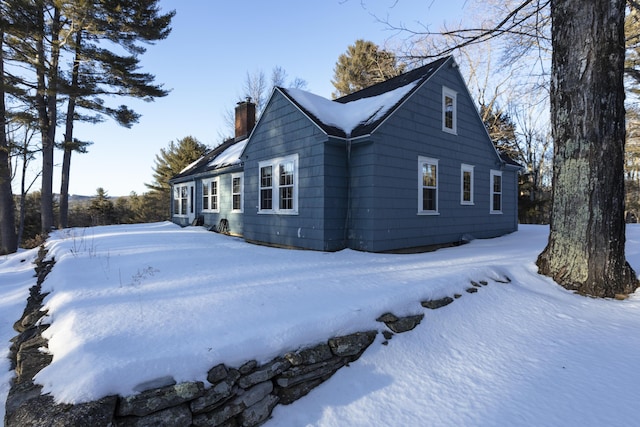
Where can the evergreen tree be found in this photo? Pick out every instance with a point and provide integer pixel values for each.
(101, 208)
(8, 236)
(169, 163)
(502, 131)
(363, 65)
(98, 71)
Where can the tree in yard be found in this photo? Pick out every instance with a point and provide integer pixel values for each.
(169, 163)
(586, 247)
(258, 90)
(8, 236)
(502, 130)
(101, 208)
(363, 65)
(98, 71)
(101, 40)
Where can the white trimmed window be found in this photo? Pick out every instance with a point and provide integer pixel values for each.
(179, 199)
(279, 185)
(466, 184)
(449, 110)
(427, 186)
(496, 192)
(237, 193)
(210, 195)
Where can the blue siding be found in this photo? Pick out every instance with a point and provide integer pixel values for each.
(225, 211)
(385, 207)
(282, 131)
(363, 194)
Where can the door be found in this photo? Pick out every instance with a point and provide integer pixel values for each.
(191, 202)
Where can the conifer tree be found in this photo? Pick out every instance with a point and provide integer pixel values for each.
(98, 71)
(8, 236)
(169, 163)
(364, 64)
(101, 208)
(502, 131)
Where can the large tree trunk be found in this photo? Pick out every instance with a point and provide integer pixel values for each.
(586, 243)
(8, 237)
(68, 134)
(47, 112)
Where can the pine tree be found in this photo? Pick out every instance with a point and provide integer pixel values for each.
(502, 131)
(101, 208)
(8, 236)
(364, 64)
(98, 71)
(169, 163)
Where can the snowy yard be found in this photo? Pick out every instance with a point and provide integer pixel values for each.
(133, 303)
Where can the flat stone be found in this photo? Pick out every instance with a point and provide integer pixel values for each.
(310, 355)
(264, 373)
(248, 367)
(157, 399)
(301, 374)
(352, 345)
(216, 395)
(291, 394)
(387, 318)
(217, 373)
(405, 324)
(437, 303)
(258, 412)
(472, 290)
(175, 416)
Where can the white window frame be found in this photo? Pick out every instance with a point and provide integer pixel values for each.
(240, 194)
(182, 198)
(178, 197)
(493, 193)
(276, 167)
(421, 162)
(209, 207)
(465, 168)
(453, 95)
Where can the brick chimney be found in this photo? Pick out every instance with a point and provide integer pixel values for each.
(245, 118)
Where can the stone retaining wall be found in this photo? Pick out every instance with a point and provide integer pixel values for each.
(232, 396)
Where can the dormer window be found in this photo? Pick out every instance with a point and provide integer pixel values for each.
(449, 110)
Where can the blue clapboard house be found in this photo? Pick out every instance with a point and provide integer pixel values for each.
(402, 165)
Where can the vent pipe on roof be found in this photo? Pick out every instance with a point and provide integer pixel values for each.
(245, 118)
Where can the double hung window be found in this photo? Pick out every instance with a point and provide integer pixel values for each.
(466, 184)
(496, 192)
(449, 111)
(237, 198)
(279, 185)
(210, 195)
(180, 198)
(427, 185)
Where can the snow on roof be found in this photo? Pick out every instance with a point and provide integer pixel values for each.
(190, 165)
(230, 156)
(349, 115)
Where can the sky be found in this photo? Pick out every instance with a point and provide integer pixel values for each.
(130, 304)
(205, 60)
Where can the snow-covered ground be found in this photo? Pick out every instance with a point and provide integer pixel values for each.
(133, 303)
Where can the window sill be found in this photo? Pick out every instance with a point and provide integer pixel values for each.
(428, 213)
(277, 213)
